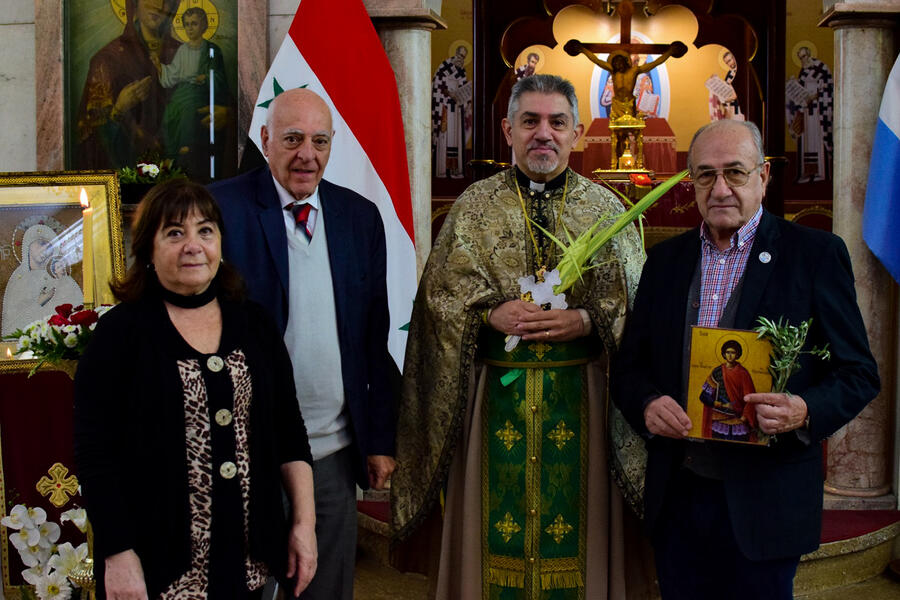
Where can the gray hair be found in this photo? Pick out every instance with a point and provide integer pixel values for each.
(544, 84)
(750, 126)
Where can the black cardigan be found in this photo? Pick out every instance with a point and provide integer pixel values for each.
(130, 444)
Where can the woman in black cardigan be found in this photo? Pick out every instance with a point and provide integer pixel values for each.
(187, 424)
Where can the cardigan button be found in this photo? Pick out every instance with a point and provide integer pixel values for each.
(214, 363)
(223, 417)
(228, 469)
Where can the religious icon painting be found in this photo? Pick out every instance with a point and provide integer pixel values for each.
(151, 81)
(60, 243)
(725, 366)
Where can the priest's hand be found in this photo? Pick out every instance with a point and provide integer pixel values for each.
(303, 555)
(557, 325)
(506, 317)
(124, 577)
(664, 416)
(380, 468)
(778, 413)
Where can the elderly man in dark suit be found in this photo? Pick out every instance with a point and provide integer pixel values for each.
(313, 253)
(730, 520)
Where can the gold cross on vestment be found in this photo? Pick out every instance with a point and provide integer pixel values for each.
(507, 527)
(59, 486)
(558, 529)
(560, 435)
(540, 349)
(508, 435)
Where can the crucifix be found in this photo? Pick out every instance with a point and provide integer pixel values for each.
(624, 123)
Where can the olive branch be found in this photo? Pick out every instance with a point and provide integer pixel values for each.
(787, 345)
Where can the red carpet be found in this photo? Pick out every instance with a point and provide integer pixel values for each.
(845, 524)
(377, 509)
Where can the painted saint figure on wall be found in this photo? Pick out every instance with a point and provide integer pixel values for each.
(530, 66)
(810, 113)
(723, 102)
(451, 114)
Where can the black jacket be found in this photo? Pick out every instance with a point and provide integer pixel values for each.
(775, 493)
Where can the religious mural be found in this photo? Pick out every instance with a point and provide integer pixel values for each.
(452, 99)
(152, 79)
(723, 100)
(809, 102)
(528, 64)
(451, 112)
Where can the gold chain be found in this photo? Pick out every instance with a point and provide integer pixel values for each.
(562, 207)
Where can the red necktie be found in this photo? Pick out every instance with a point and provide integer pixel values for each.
(301, 217)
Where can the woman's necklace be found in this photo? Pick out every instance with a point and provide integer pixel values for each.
(562, 206)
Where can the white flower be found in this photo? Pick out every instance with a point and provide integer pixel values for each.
(37, 515)
(54, 587)
(33, 574)
(49, 534)
(24, 538)
(78, 516)
(68, 558)
(69, 328)
(17, 518)
(71, 340)
(148, 169)
(33, 556)
(24, 343)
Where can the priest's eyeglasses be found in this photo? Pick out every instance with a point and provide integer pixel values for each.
(734, 176)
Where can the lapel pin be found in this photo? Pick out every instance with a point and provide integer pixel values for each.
(765, 257)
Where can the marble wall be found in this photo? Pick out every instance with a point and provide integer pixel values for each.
(17, 86)
(281, 13)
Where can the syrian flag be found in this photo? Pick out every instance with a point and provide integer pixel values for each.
(352, 74)
(881, 215)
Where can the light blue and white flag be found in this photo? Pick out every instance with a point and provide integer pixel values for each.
(881, 216)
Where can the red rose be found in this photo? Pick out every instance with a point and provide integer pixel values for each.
(84, 318)
(58, 321)
(64, 309)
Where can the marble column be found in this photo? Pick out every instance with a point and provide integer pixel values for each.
(860, 454)
(405, 27)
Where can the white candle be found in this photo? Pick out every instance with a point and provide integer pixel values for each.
(87, 259)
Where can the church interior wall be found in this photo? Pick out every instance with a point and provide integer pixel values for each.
(17, 86)
(281, 13)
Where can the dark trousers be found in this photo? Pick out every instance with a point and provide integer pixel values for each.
(697, 556)
(335, 490)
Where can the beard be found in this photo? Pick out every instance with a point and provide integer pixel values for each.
(543, 164)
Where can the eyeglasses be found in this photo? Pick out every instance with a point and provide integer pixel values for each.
(734, 176)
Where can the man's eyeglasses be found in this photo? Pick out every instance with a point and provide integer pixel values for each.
(734, 176)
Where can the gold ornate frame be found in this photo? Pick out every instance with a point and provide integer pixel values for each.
(37, 197)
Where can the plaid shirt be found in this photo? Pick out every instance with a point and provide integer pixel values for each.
(722, 270)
